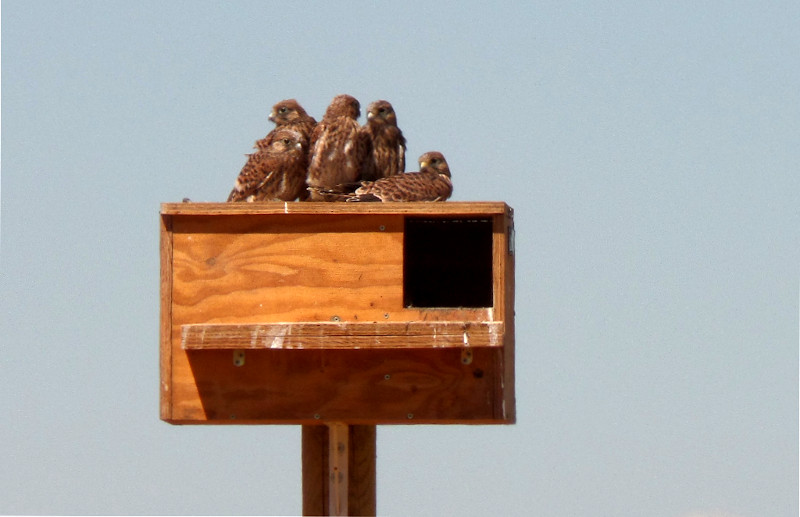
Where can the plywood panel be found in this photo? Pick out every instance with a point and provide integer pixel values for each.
(327, 335)
(301, 268)
(354, 386)
(166, 319)
(451, 208)
(234, 267)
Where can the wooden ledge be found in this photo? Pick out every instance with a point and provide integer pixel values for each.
(342, 335)
(449, 208)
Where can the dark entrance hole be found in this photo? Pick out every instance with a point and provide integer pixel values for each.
(447, 263)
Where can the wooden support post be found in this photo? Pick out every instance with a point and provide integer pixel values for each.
(339, 469)
(338, 456)
(332, 310)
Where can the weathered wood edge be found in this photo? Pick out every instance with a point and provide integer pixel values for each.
(455, 208)
(509, 407)
(165, 354)
(350, 421)
(342, 335)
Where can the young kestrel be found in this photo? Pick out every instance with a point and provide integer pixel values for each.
(275, 173)
(338, 147)
(431, 183)
(388, 156)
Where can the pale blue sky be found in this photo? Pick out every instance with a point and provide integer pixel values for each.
(650, 151)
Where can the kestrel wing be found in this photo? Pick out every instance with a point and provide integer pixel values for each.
(250, 179)
(409, 187)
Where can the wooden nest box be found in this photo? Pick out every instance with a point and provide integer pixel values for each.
(363, 313)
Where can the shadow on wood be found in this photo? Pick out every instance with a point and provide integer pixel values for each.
(337, 317)
(319, 497)
(308, 313)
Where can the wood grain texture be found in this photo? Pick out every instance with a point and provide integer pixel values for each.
(450, 208)
(338, 467)
(229, 272)
(409, 386)
(290, 268)
(361, 470)
(166, 318)
(343, 335)
(314, 444)
(507, 369)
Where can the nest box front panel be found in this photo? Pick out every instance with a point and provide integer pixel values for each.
(293, 268)
(274, 317)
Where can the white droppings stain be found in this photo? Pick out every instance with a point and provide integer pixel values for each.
(466, 338)
(285, 207)
(277, 341)
(494, 335)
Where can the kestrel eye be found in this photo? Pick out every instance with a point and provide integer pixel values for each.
(287, 141)
(284, 109)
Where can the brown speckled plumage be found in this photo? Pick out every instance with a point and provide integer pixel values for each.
(388, 149)
(288, 114)
(338, 147)
(275, 173)
(431, 183)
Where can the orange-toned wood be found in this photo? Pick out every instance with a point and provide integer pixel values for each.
(228, 267)
(450, 208)
(343, 335)
(400, 386)
(291, 268)
(361, 465)
(166, 318)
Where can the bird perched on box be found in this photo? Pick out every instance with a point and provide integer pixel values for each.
(338, 148)
(288, 114)
(431, 183)
(388, 155)
(274, 173)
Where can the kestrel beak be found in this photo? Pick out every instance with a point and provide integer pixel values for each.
(422, 165)
(272, 116)
(370, 114)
